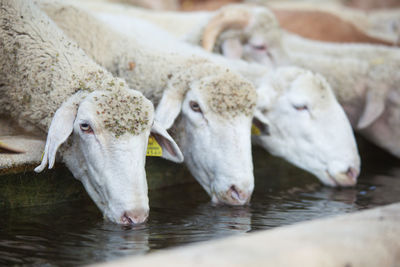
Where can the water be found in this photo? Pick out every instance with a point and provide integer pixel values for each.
(74, 233)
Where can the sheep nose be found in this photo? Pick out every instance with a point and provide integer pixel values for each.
(352, 174)
(134, 216)
(347, 178)
(236, 196)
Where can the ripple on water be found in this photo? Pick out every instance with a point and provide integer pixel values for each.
(75, 233)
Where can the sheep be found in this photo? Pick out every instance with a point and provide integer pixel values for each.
(207, 107)
(303, 144)
(322, 22)
(97, 124)
(364, 77)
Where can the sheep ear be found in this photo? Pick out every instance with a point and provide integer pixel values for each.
(170, 149)
(60, 129)
(373, 108)
(169, 108)
(260, 125)
(232, 48)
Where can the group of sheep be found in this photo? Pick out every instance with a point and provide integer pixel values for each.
(87, 74)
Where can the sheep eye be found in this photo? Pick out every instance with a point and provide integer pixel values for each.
(300, 107)
(195, 106)
(86, 128)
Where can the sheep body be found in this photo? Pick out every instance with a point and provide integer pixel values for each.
(45, 70)
(375, 54)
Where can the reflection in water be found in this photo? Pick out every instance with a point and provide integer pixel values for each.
(74, 233)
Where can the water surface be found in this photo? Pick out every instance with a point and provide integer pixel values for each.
(74, 233)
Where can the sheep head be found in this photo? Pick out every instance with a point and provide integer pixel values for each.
(244, 31)
(105, 136)
(211, 111)
(300, 120)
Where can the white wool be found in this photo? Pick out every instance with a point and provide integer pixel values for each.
(56, 69)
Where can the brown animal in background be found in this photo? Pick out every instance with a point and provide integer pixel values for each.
(323, 26)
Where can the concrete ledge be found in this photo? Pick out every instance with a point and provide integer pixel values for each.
(14, 136)
(367, 238)
(13, 162)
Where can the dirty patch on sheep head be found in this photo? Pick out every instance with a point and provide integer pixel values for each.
(123, 111)
(229, 96)
(96, 79)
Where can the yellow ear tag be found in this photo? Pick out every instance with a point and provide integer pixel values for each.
(255, 130)
(153, 148)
